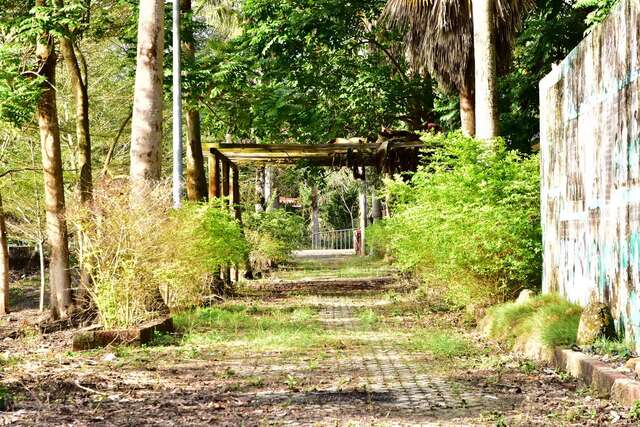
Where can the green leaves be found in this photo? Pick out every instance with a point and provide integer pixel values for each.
(309, 72)
(598, 10)
(469, 214)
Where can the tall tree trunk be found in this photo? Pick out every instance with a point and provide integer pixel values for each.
(4, 264)
(467, 112)
(260, 188)
(80, 91)
(47, 114)
(146, 122)
(484, 42)
(268, 188)
(196, 180)
(81, 98)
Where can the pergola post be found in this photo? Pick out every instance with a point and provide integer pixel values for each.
(226, 169)
(214, 176)
(362, 199)
(235, 192)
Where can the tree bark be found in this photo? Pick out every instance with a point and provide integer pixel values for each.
(146, 122)
(196, 180)
(47, 114)
(80, 92)
(260, 189)
(467, 112)
(484, 42)
(4, 264)
(81, 98)
(268, 188)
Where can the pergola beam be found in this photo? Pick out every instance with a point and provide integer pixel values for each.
(336, 154)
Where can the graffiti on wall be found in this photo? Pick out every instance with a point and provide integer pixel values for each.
(590, 160)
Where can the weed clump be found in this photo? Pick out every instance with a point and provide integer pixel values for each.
(548, 317)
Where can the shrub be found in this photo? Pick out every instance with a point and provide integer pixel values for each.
(273, 236)
(136, 252)
(469, 217)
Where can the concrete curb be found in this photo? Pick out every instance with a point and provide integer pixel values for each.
(605, 380)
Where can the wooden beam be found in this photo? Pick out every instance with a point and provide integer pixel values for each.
(316, 155)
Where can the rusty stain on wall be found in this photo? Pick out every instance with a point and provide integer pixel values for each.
(590, 160)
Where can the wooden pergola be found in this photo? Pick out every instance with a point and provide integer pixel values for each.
(388, 157)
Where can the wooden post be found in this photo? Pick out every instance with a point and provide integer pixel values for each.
(362, 198)
(225, 176)
(235, 195)
(214, 177)
(226, 165)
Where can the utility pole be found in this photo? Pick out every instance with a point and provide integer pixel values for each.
(177, 109)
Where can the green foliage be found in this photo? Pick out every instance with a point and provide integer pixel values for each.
(634, 414)
(310, 71)
(614, 348)
(550, 32)
(474, 218)
(273, 235)
(136, 251)
(598, 10)
(550, 317)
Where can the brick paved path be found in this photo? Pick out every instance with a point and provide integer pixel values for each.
(400, 384)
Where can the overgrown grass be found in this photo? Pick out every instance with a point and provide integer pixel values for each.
(255, 327)
(442, 344)
(553, 318)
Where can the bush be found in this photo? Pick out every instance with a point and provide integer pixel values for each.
(473, 216)
(273, 236)
(136, 252)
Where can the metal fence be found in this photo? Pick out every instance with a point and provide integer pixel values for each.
(333, 240)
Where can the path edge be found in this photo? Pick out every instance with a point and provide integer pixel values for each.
(604, 379)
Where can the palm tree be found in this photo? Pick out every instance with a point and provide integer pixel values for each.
(440, 37)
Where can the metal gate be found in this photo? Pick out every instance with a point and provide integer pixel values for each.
(333, 240)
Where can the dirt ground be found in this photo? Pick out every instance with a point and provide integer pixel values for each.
(342, 352)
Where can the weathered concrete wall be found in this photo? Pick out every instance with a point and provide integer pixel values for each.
(590, 159)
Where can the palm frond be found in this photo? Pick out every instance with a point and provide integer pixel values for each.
(439, 35)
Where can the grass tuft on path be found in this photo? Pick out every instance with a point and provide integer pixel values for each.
(442, 344)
